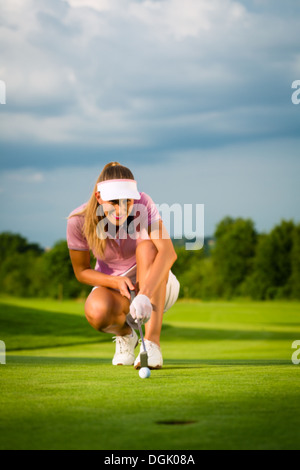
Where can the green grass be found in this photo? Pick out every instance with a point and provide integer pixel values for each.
(227, 368)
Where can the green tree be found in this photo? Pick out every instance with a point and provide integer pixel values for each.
(233, 254)
(199, 282)
(11, 243)
(272, 267)
(58, 270)
(185, 261)
(294, 282)
(18, 264)
(193, 269)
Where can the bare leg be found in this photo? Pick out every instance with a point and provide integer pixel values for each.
(145, 255)
(106, 310)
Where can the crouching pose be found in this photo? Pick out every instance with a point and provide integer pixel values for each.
(132, 280)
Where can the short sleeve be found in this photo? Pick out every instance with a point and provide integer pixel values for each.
(152, 211)
(145, 214)
(75, 238)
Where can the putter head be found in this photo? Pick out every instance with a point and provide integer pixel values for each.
(144, 359)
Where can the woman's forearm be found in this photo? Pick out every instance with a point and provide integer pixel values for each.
(95, 278)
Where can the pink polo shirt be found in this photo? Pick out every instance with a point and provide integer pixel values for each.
(120, 252)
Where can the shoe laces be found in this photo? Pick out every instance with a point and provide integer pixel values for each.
(122, 344)
(149, 345)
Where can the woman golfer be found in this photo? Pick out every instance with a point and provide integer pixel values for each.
(132, 278)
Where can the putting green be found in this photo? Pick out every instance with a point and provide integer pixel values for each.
(228, 380)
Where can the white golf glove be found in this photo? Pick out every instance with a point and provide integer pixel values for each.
(141, 308)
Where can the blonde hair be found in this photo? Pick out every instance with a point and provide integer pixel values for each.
(113, 170)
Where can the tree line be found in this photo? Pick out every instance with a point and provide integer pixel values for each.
(236, 262)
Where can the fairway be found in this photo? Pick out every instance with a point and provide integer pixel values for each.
(228, 381)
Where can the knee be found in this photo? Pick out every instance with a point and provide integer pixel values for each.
(97, 313)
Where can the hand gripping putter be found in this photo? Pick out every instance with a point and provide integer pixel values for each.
(143, 354)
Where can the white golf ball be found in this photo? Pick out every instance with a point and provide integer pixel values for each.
(144, 373)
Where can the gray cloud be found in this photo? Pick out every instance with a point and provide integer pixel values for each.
(260, 182)
(145, 76)
(193, 94)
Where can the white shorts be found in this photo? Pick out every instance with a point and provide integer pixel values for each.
(172, 291)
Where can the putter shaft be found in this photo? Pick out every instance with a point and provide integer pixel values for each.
(143, 355)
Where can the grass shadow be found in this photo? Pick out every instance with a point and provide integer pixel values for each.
(169, 364)
(178, 333)
(45, 360)
(199, 363)
(26, 328)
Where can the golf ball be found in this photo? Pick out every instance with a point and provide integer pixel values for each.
(144, 373)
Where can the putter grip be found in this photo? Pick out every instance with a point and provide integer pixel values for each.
(144, 359)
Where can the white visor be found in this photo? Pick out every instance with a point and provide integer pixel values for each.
(118, 189)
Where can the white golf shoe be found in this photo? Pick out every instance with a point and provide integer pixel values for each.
(155, 359)
(125, 346)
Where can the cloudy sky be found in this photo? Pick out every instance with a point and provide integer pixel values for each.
(194, 96)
